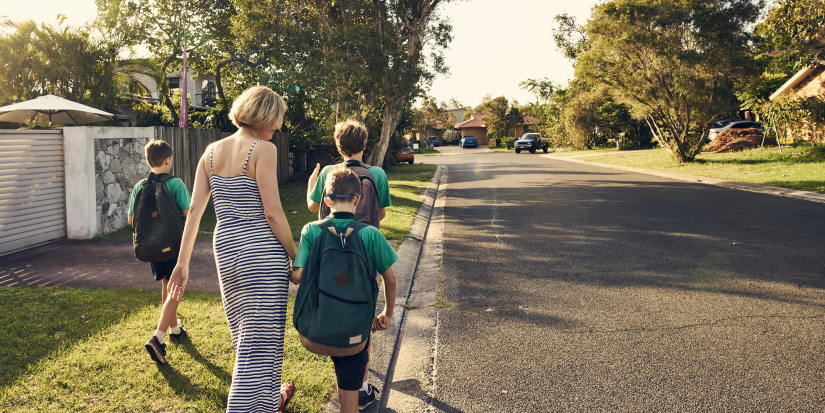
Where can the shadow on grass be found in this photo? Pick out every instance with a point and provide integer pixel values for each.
(184, 387)
(221, 374)
(41, 321)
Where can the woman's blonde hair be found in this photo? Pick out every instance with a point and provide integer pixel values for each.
(258, 108)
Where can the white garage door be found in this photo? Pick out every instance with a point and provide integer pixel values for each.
(32, 189)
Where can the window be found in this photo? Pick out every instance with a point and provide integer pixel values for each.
(174, 82)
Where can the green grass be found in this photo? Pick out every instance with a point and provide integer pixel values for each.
(82, 350)
(804, 172)
(560, 152)
(425, 152)
(407, 186)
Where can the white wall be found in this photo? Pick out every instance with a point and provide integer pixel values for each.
(80, 158)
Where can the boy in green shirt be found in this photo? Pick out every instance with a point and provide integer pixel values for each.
(159, 157)
(351, 140)
(343, 195)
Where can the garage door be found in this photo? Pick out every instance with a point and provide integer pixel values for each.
(32, 189)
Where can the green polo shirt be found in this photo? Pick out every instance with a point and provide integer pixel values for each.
(175, 186)
(377, 173)
(381, 252)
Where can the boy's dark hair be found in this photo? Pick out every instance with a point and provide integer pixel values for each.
(350, 137)
(157, 152)
(342, 184)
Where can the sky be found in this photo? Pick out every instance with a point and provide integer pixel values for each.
(496, 44)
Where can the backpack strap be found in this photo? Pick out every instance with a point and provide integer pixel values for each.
(159, 178)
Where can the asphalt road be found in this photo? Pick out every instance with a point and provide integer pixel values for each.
(580, 288)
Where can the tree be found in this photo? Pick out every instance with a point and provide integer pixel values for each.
(541, 88)
(802, 22)
(82, 64)
(430, 112)
(675, 62)
(570, 37)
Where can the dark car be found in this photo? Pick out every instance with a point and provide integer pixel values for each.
(406, 155)
(531, 142)
(432, 141)
(739, 124)
(468, 141)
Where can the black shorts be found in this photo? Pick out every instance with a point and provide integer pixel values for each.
(163, 269)
(350, 370)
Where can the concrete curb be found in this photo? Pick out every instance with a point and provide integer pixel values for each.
(762, 189)
(384, 343)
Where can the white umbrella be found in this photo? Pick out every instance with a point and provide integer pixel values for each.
(53, 109)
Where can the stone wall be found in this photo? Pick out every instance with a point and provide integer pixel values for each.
(119, 165)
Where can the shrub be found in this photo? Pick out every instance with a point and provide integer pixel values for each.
(451, 137)
(508, 142)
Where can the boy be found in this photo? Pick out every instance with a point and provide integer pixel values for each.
(343, 188)
(351, 140)
(159, 157)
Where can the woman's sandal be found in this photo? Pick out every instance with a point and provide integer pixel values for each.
(287, 391)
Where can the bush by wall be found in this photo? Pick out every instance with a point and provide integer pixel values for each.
(508, 142)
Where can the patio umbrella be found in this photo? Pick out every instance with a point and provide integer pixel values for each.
(53, 109)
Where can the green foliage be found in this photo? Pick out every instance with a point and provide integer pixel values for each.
(674, 61)
(215, 118)
(150, 114)
(801, 24)
(451, 137)
(81, 64)
(508, 141)
(570, 37)
(40, 125)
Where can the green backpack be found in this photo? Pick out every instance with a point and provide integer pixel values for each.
(158, 227)
(335, 304)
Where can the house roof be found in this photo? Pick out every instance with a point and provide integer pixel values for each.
(529, 120)
(792, 82)
(476, 121)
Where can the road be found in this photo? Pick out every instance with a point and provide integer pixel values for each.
(579, 288)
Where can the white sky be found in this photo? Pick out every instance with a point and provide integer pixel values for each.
(496, 44)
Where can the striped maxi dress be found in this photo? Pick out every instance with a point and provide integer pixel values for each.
(252, 270)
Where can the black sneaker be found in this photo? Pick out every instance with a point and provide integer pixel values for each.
(178, 337)
(365, 398)
(157, 351)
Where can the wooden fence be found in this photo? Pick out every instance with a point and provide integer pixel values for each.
(190, 144)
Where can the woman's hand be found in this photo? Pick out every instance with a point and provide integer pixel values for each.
(177, 283)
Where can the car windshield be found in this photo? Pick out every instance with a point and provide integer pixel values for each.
(528, 136)
(722, 123)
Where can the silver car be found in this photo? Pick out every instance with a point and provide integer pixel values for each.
(742, 124)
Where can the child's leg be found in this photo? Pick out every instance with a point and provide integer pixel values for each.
(349, 400)
(169, 312)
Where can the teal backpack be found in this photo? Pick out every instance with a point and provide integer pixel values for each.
(335, 304)
(158, 226)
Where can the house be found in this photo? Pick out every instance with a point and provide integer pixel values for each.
(421, 137)
(806, 83)
(475, 127)
(201, 87)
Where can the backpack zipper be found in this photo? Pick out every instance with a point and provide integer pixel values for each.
(343, 300)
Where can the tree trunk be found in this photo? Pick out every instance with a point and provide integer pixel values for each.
(222, 64)
(391, 117)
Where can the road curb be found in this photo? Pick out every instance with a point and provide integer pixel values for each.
(741, 186)
(384, 344)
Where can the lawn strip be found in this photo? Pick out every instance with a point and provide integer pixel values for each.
(805, 172)
(82, 349)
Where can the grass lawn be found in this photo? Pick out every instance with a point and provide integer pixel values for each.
(804, 172)
(82, 350)
(559, 152)
(407, 186)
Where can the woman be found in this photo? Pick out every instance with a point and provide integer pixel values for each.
(253, 248)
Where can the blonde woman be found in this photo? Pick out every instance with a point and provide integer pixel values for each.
(253, 248)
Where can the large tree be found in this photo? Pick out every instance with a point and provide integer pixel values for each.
(802, 23)
(674, 61)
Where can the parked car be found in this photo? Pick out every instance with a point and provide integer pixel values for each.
(432, 140)
(723, 122)
(468, 141)
(406, 155)
(742, 124)
(531, 142)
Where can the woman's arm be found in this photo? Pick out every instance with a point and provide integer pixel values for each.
(313, 179)
(200, 198)
(266, 174)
